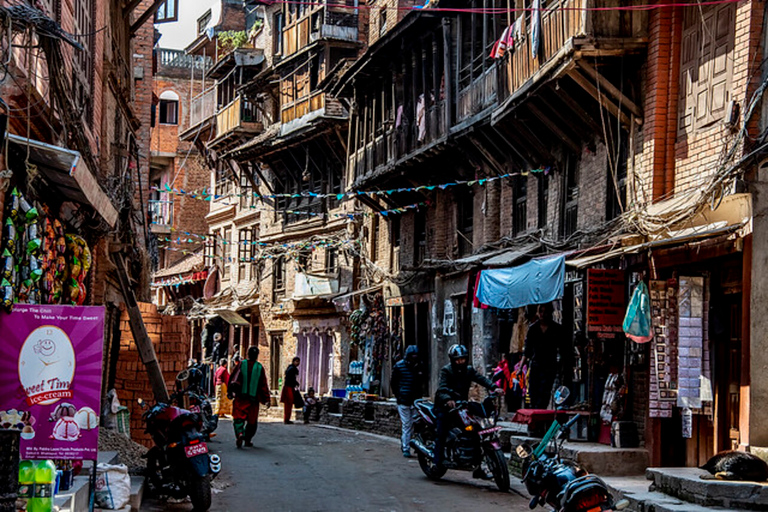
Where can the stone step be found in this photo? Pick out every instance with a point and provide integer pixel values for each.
(596, 458)
(138, 484)
(686, 484)
(642, 499)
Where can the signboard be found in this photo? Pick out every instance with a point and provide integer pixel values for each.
(605, 300)
(50, 379)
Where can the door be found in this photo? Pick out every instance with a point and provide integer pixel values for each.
(275, 361)
(424, 342)
(728, 375)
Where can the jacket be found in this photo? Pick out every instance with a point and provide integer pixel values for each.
(407, 380)
(454, 386)
(237, 381)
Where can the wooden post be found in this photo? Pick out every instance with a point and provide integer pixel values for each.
(140, 336)
(447, 73)
(746, 292)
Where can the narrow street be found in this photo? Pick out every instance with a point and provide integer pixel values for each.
(313, 468)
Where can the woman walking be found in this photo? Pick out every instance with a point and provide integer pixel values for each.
(221, 377)
(290, 389)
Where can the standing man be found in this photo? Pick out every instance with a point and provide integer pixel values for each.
(290, 389)
(248, 385)
(543, 343)
(407, 379)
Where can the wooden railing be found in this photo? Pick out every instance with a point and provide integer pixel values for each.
(239, 113)
(479, 95)
(302, 107)
(202, 106)
(334, 23)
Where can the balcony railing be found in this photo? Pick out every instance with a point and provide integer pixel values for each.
(203, 107)
(479, 95)
(160, 214)
(179, 59)
(327, 22)
(302, 107)
(238, 114)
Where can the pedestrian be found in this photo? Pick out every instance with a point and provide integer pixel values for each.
(216, 349)
(311, 403)
(221, 378)
(543, 343)
(290, 390)
(406, 383)
(248, 385)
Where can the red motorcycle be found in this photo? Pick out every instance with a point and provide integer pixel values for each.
(179, 465)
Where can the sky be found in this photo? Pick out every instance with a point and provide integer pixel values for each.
(178, 34)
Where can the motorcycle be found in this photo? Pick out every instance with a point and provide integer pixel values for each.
(179, 465)
(190, 395)
(472, 443)
(562, 484)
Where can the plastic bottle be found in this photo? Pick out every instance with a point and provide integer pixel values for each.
(45, 474)
(26, 480)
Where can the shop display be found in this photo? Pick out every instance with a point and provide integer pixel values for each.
(41, 263)
(663, 386)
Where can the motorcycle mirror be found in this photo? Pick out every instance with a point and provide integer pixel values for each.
(523, 450)
(561, 395)
(142, 403)
(182, 375)
(621, 505)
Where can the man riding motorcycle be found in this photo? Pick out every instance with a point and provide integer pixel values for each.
(455, 380)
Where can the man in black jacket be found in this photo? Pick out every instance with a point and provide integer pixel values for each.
(407, 379)
(455, 379)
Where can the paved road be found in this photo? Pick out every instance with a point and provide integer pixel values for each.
(314, 468)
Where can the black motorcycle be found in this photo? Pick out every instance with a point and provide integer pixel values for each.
(190, 395)
(179, 465)
(562, 484)
(472, 443)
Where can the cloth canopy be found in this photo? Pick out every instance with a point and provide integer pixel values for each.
(536, 282)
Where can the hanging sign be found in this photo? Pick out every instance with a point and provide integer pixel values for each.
(50, 379)
(605, 300)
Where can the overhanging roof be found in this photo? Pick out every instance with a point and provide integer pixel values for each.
(67, 171)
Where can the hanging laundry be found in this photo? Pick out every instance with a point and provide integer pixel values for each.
(399, 116)
(517, 30)
(506, 42)
(421, 118)
(535, 28)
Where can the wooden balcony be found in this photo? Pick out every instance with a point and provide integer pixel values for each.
(315, 102)
(238, 116)
(479, 95)
(325, 22)
(202, 107)
(568, 27)
(396, 144)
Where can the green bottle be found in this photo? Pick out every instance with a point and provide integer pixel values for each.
(45, 473)
(26, 480)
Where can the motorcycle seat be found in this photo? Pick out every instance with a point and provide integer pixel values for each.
(426, 406)
(583, 484)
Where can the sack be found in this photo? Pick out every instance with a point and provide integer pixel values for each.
(637, 322)
(298, 400)
(113, 486)
(123, 420)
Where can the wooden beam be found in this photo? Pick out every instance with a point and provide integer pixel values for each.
(517, 145)
(499, 167)
(151, 10)
(130, 6)
(581, 114)
(612, 90)
(602, 99)
(492, 135)
(551, 125)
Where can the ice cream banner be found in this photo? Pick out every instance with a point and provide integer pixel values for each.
(50, 379)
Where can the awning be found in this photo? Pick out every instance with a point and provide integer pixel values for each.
(231, 317)
(536, 282)
(309, 286)
(66, 170)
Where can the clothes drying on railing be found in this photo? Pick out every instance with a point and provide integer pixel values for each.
(509, 37)
(535, 28)
(421, 118)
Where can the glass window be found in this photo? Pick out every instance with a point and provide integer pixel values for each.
(169, 112)
(168, 11)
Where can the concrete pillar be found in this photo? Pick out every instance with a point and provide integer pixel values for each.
(758, 335)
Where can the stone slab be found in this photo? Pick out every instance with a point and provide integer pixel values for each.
(687, 484)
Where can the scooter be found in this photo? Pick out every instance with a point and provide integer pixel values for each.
(472, 443)
(179, 465)
(562, 484)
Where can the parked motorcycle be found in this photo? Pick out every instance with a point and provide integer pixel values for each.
(179, 465)
(562, 484)
(191, 395)
(472, 443)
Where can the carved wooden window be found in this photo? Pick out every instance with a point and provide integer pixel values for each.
(706, 65)
(83, 59)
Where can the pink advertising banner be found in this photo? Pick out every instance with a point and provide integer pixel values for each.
(50, 379)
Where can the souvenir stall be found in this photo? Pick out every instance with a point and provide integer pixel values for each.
(370, 337)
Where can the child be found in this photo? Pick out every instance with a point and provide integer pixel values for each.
(311, 402)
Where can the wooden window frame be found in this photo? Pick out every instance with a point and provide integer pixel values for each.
(279, 278)
(160, 13)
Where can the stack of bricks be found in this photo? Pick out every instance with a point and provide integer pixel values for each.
(170, 337)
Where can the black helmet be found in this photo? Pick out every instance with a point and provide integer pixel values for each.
(458, 352)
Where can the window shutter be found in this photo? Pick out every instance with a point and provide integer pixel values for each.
(722, 60)
(689, 60)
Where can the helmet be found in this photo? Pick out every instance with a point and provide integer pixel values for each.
(458, 352)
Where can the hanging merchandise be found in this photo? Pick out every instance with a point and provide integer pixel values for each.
(663, 385)
(637, 321)
(691, 338)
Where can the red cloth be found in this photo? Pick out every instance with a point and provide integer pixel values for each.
(221, 376)
(244, 409)
(529, 416)
(286, 397)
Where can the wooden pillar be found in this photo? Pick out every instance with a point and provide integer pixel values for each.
(746, 288)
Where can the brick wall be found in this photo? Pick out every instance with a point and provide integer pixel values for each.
(394, 11)
(170, 336)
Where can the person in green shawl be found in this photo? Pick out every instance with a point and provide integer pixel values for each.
(248, 385)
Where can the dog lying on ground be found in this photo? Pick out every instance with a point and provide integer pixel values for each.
(736, 465)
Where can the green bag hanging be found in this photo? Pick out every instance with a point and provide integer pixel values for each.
(637, 322)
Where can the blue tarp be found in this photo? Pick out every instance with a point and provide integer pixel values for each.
(536, 282)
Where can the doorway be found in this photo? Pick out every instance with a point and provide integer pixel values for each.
(275, 361)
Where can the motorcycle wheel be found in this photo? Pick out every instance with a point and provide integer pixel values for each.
(430, 469)
(200, 493)
(498, 465)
